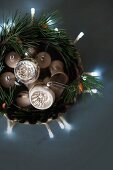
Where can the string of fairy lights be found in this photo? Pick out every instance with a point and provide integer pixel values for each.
(63, 124)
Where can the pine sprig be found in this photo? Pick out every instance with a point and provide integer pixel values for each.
(18, 35)
(6, 97)
(50, 19)
(91, 82)
(70, 93)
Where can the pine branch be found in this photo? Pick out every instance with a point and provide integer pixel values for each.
(49, 19)
(6, 96)
(90, 82)
(70, 93)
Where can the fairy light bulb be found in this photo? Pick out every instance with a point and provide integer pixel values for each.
(10, 125)
(79, 37)
(96, 73)
(56, 29)
(26, 54)
(9, 130)
(60, 124)
(66, 124)
(51, 135)
(32, 12)
(94, 91)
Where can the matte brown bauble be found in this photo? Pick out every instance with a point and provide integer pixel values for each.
(60, 77)
(46, 80)
(29, 86)
(58, 91)
(12, 59)
(43, 59)
(32, 51)
(7, 79)
(56, 66)
(22, 99)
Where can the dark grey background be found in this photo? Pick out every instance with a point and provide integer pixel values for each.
(89, 146)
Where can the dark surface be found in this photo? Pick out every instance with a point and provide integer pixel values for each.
(89, 145)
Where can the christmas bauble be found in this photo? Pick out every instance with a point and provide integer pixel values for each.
(27, 71)
(12, 59)
(22, 99)
(32, 51)
(59, 77)
(57, 90)
(38, 82)
(46, 80)
(43, 59)
(56, 66)
(41, 97)
(7, 79)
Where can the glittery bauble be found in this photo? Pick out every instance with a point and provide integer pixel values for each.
(22, 99)
(43, 59)
(41, 97)
(7, 79)
(12, 59)
(27, 71)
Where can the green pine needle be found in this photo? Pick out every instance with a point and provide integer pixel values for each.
(70, 93)
(90, 82)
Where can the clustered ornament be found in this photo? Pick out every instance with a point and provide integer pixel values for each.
(41, 72)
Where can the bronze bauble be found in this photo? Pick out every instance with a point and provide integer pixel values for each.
(7, 79)
(22, 99)
(12, 59)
